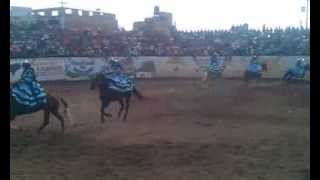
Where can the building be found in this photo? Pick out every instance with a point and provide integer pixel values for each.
(19, 14)
(161, 22)
(70, 18)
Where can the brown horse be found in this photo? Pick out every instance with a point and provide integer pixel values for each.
(51, 107)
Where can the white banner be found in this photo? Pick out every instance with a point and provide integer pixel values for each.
(49, 69)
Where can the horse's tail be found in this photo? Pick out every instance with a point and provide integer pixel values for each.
(66, 110)
(138, 94)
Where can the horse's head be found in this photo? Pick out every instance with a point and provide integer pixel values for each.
(96, 80)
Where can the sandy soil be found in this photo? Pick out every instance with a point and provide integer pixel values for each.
(181, 131)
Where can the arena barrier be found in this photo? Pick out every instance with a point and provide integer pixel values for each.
(82, 68)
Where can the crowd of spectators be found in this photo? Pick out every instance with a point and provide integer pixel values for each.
(49, 40)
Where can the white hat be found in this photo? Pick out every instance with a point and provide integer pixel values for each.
(114, 59)
(26, 61)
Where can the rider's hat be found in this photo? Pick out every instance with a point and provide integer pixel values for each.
(114, 60)
(26, 63)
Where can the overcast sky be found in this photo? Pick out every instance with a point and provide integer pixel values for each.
(192, 14)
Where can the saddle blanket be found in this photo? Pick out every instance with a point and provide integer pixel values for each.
(214, 68)
(298, 72)
(120, 82)
(30, 95)
(254, 68)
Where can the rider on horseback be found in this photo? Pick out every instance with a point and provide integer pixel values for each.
(116, 67)
(28, 90)
(120, 81)
(254, 67)
(299, 68)
(215, 67)
(298, 71)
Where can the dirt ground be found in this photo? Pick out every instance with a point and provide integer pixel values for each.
(181, 131)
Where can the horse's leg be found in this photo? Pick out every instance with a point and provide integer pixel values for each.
(104, 105)
(60, 118)
(246, 79)
(205, 79)
(121, 107)
(13, 116)
(53, 107)
(285, 76)
(45, 120)
(288, 76)
(211, 82)
(127, 104)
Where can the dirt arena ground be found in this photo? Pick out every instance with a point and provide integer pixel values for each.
(180, 132)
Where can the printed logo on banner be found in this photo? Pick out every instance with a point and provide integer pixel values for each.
(79, 68)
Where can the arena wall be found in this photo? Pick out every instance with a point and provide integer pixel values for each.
(75, 68)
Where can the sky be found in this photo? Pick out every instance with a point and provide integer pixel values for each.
(192, 14)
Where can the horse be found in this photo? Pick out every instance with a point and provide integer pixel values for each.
(249, 76)
(51, 107)
(108, 95)
(291, 74)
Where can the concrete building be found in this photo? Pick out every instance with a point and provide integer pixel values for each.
(161, 22)
(19, 14)
(70, 18)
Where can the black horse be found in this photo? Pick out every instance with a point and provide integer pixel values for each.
(108, 95)
(51, 107)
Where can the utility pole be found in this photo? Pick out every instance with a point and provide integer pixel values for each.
(62, 12)
(62, 3)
